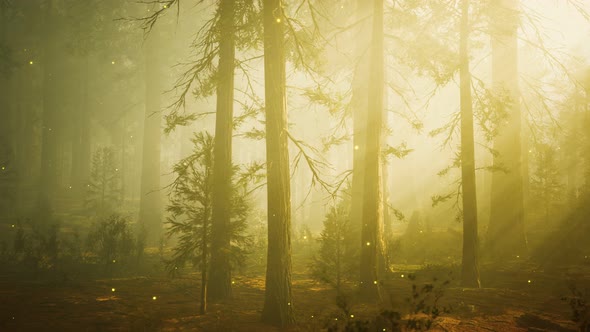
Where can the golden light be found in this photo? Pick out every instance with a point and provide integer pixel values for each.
(154, 298)
(12, 225)
(402, 275)
(278, 20)
(112, 289)
(30, 62)
(114, 260)
(112, 62)
(3, 168)
(375, 282)
(368, 243)
(351, 316)
(356, 147)
(529, 281)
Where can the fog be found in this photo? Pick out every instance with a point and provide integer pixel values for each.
(253, 165)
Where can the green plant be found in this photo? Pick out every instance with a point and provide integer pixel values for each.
(578, 303)
(336, 261)
(111, 240)
(103, 189)
(424, 304)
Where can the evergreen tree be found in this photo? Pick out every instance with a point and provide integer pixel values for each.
(337, 260)
(546, 187)
(278, 302)
(102, 194)
(190, 211)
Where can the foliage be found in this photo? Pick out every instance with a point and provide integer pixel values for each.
(578, 303)
(190, 207)
(111, 240)
(546, 187)
(35, 246)
(337, 259)
(423, 305)
(103, 190)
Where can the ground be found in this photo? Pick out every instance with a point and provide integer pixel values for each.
(519, 297)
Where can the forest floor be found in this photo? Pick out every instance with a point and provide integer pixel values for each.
(516, 298)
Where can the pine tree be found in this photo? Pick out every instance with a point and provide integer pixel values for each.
(337, 260)
(102, 194)
(190, 211)
(546, 187)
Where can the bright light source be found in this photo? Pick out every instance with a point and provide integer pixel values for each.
(356, 147)
(351, 316)
(278, 20)
(30, 62)
(154, 298)
(112, 289)
(368, 243)
(375, 282)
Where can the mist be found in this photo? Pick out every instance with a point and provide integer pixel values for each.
(310, 165)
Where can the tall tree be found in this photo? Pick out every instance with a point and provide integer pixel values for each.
(372, 211)
(506, 235)
(470, 269)
(150, 212)
(50, 129)
(359, 106)
(220, 274)
(278, 306)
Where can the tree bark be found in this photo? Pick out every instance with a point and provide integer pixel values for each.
(470, 269)
(50, 128)
(150, 213)
(359, 118)
(220, 273)
(506, 235)
(278, 306)
(81, 134)
(372, 221)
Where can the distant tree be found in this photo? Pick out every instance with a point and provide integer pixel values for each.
(470, 268)
(102, 194)
(190, 208)
(51, 129)
(150, 211)
(337, 259)
(546, 187)
(506, 235)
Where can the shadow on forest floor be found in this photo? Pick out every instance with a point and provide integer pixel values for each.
(513, 300)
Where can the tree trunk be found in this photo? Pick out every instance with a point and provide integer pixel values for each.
(506, 236)
(150, 213)
(278, 308)
(81, 136)
(359, 118)
(372, 221)
(204, 265)
(470, 269)
(50, 128)
(220, 285)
